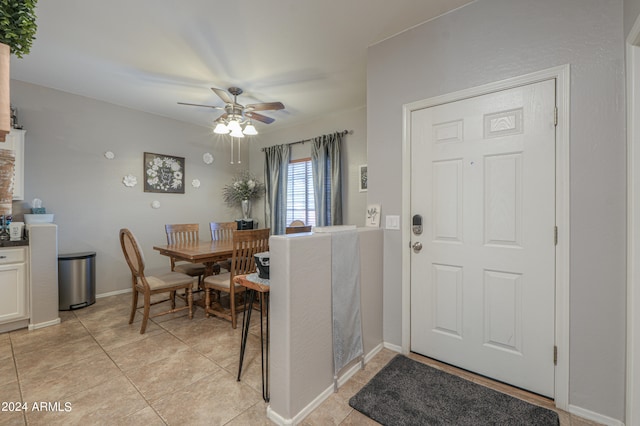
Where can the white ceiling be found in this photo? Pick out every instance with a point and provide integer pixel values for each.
(150, 54)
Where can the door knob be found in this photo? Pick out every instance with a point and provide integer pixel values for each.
(417, 247)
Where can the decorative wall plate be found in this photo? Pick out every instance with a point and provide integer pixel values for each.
(130, 181)
(109, 155)
(155, 204)
(195, 183)
(207, 158)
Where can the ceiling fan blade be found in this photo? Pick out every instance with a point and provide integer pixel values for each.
(266, 106)
(223, 95)
(259, 117)
(198, 105)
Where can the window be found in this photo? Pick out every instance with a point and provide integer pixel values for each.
(300, 201)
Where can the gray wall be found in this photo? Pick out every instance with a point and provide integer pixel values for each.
(354, 153)
(66, 138)
(490, 40)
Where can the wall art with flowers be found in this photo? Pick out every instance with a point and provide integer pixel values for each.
(163, 173)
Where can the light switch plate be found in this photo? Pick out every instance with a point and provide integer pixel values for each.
(392, 222)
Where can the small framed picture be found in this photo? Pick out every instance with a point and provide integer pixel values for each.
(363, 178)
(373, 216)
(163, 173)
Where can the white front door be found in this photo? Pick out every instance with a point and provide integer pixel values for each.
(483, 284)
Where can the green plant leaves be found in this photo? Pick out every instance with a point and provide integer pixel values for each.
(18, 25)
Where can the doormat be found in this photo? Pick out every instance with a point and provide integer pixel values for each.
(407, 392)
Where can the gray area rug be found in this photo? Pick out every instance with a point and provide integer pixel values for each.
(406, 392)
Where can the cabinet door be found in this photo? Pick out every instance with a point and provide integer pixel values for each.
(15, 142)
(13, 292)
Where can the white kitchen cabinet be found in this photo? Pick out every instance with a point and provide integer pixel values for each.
(15, 141)
(13, 285)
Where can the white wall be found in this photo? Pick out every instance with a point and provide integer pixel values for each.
(490, 40)
(66, 138)
(354, 154)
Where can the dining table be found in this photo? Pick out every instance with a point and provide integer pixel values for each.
(205, 252)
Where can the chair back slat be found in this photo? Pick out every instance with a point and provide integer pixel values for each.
(222, 231)
(182, 233)
(245, 245)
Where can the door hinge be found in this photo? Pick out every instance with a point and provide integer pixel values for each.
(555, 355)
(555, 235)
(555, 116)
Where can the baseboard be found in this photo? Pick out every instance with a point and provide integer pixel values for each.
(44, 324)
(278, 419)
(393, 347)
(373, 352)
(590, 415)
(15, 325)
(113, 293)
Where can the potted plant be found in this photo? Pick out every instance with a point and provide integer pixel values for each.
(244, 188)
(18, 25)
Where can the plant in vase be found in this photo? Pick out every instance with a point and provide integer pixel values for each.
(18, 25)
(17, 32)
(244, 189)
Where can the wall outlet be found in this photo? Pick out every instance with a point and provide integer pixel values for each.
(392, 222)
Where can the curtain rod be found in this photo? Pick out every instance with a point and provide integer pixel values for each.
(344, 132)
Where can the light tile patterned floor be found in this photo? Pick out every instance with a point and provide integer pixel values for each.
(180, 372)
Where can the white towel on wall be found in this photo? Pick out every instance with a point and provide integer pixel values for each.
(345, 298)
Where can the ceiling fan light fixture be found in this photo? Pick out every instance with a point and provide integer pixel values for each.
(237, 133)
(221, 129)
(234, 126)
(250, 130)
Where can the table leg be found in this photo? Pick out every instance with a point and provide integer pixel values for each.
(265, 351)
(246, 321)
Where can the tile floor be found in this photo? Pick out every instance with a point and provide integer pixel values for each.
(180, 372)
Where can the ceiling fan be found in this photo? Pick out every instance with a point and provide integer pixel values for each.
(236, 115)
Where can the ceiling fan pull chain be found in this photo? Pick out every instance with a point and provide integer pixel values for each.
(239, 162)
(231, 139)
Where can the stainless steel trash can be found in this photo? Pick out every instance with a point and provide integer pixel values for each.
(76, 280)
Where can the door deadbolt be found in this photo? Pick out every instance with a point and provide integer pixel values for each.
(416, 224)
(417, 247)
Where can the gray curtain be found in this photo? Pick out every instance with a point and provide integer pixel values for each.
(276, 170)
(326, 163)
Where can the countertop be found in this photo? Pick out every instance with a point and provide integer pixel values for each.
(23, 242)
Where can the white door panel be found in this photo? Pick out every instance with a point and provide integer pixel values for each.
(482, 288)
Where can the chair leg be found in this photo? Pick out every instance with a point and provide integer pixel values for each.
(134, 306)
(172, 296)
(232, 308)
(145, 316)
(207, 301)
(190, 302)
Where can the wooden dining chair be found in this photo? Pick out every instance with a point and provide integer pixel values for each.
(245, 245)
(170, 282)
(223, 231)
(297, 229)
(184, 234)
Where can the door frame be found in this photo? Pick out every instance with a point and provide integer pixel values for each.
(633, 224)
(562, 76)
